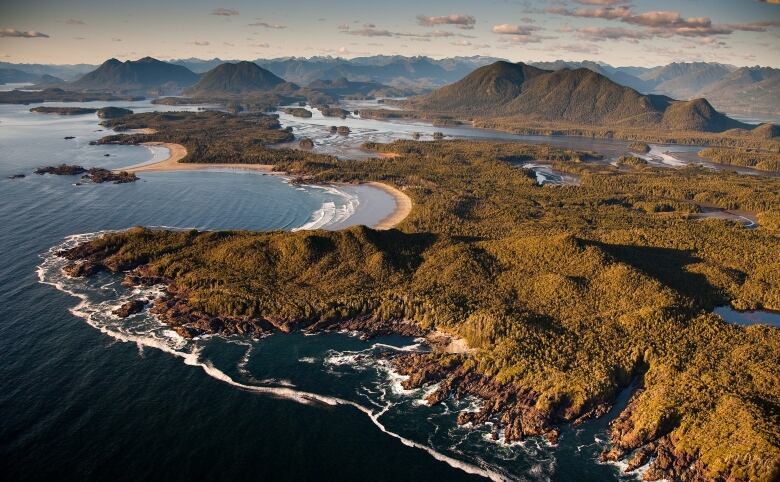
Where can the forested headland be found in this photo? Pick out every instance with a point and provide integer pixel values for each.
(566, 294)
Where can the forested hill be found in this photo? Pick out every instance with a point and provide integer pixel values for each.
(578, 96)
(238, 78)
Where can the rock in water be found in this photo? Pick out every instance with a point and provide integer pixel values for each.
(130, 308)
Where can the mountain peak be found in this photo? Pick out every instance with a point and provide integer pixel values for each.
(139, 75)
(235, 78)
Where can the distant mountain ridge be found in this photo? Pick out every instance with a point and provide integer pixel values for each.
(16, 76)
(345, 87)
(579, 96)
(729, 88)
(136, 75)
(392, 70)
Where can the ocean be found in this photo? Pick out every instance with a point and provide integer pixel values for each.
(86, 396)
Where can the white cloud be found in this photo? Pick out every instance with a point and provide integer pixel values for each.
(458, 19)
(12, 32)
(225, 12)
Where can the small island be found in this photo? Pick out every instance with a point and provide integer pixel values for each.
(113, 112)
(329, 111)
(59, 95)
(96, 174)
(63, 110)
(298, 112)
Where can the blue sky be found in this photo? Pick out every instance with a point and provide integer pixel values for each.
(639, 32)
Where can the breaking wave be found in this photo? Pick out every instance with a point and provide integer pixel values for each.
(99, 298)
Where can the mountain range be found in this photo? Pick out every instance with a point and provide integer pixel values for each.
(745, 90)
(397, 71)
(750, 91)
(579, 96)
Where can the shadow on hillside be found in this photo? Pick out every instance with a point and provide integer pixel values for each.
(667, 265)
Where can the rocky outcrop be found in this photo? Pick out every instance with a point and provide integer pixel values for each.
(61, 170)
(298, 112)
(100, 175)
(512, 409)
(95, 174)
(130, 308)
(306, 143)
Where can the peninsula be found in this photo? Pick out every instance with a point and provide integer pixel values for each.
(593, 288)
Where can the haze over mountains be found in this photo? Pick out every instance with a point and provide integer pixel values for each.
(747, 90)
(16, 76)
(729, 88)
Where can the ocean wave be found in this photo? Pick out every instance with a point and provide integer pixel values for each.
(330, 213)
(154, 335)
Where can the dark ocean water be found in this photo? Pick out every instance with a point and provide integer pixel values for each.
(85, 396)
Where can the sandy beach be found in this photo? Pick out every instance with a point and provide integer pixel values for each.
(178, 152)
(403, 203)
(403, 206)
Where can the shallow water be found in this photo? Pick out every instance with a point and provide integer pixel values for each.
(86, 396)
(746, 318)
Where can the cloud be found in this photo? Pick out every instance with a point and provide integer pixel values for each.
(370, 32)
(667, 19)
(79, 38)
(752, 26)
(609, 13)
(599, 34)
(512, 29)
(375, 32)
(589, 49)
(228, 44)
(459, 20)
(658, 23)
(343, 26)
(225, 12)
(262, 45)
(12, 32)
(74, 21)
(274, 26)
(201, 43)
(116, 39)
(600, 2)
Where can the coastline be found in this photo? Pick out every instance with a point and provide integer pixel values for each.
(177, 152)
(403, 206)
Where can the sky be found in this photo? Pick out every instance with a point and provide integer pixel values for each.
(637, 32)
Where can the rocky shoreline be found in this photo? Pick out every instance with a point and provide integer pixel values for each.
(515, 412)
